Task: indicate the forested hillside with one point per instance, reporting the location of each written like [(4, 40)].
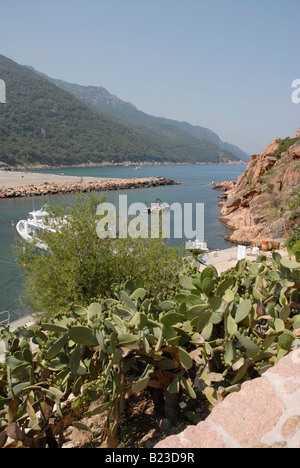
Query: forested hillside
[(99, 99), (41, 124)]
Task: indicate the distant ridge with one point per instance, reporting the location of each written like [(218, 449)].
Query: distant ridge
[(99, 99), (44, 125)]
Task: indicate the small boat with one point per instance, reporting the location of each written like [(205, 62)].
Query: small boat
[(37, 222), (197, 245), (138, 168), (157, 206)]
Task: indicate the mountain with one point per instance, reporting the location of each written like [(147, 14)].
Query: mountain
[(205, 133), (42, 124), (99, 99)]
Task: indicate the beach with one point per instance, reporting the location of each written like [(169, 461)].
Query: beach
[(15, 179)]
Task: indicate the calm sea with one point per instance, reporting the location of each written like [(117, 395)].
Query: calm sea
[(195, 188)]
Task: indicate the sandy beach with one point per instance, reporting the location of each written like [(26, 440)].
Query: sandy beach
[(16, 179)]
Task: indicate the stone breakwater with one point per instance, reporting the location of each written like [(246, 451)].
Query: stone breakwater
[(83, 187)]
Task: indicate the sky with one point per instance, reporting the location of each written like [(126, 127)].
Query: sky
[(227, 65)]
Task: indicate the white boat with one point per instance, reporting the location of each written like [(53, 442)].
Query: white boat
[(37, 222), (157, 206), (197, 245)]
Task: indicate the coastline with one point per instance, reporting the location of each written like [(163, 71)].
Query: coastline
[(36, 167), (15, 184)]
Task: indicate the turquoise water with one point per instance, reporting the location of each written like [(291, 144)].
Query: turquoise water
[(195, 188)]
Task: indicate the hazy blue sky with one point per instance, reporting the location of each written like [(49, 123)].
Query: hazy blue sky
[(223, 64)]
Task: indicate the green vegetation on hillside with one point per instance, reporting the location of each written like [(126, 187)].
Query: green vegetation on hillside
[(43, 124), (100, 100), (285, 144), (293, 240)]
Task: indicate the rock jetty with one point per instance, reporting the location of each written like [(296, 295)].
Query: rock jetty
[(83, 187)]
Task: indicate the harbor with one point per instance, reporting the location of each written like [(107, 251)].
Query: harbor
[(194, 186)]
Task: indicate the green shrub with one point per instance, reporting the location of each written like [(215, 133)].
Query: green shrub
[(293, 206), (296, 247), (79, 267), (285, 144)]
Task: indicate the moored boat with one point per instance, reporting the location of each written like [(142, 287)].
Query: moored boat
[(157, 206), (32, 228)]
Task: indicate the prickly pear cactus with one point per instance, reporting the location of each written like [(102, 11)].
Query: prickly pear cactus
[(207, 337)]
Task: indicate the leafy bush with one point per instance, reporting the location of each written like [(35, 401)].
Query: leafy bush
[(207, 337), (285, 144), (79, 267), (296, 247), (294, 234)]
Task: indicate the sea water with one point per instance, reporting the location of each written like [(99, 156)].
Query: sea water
[(195, 187)]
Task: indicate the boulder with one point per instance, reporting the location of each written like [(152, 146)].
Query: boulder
[(294, 151), (271, 148)]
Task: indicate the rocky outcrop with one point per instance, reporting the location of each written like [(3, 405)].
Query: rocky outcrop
[(225, 186), (294, 151), (73, 187), (297, 134), (254, 208)]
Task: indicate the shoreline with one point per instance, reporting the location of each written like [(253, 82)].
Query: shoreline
[(16, 179), (124, 164), (29, 184)]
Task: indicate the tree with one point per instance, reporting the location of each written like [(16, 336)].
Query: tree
[(79, 267)]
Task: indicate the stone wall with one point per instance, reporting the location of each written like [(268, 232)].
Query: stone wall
[(265, 413)]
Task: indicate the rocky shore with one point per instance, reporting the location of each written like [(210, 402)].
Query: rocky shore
[(255, 208), (83, 186)]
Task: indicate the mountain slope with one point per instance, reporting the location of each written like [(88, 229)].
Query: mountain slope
[(43, 124), (102, 101)]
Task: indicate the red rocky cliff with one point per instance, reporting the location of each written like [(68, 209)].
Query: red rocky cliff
[(255, 207)]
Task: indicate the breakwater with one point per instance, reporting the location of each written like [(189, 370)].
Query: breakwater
[(83, 186)]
